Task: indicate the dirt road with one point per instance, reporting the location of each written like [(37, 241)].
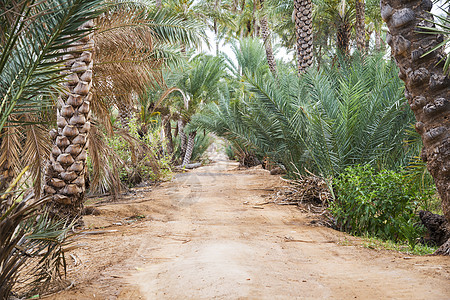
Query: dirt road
[(204, 236)]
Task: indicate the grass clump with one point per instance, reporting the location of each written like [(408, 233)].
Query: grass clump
[(404, 247)]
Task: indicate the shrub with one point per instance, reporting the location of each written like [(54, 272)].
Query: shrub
[(378, 204), (142, 155)]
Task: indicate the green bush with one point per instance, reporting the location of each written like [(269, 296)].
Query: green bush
[(378, 204), (142, 155)]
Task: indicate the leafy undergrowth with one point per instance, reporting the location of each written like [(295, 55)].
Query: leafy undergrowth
[(381, 205)]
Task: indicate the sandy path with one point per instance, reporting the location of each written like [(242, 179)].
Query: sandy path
[(206, 240)]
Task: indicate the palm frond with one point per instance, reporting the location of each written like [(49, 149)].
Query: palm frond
[(29, 62), (36, 151)]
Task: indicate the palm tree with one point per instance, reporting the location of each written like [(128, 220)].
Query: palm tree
[(360, 23), (200, 85), (343, 27), (33, 34), (302, 16), (30, 74), (374, 17), (266, 37), (249, 53), (427, 87), (134, 43), (67, 171), (127, 60)]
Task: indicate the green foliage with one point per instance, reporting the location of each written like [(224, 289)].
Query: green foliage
[(231, 152), (380, 204), (328, 119), (141, 154), (200, 83), (404, 247), (201, 144), (30, 48), (250, 57), (31, 253)]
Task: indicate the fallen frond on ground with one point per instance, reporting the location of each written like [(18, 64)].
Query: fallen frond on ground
[(311, 194)]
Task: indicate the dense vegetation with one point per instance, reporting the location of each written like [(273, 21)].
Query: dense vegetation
[(99, 96)]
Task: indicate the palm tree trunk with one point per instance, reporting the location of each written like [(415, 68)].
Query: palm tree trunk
[(183, 138), (303, 29), (254, 24), (125, 113), (266, 37), (65, 176), (360, 25), (189, 148), (168, 134), (343, 36), (427, 87)]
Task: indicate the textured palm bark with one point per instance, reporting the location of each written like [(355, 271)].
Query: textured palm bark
[(427, 87), (266, 37), (65, 175), (303, 29), (189, 148), (183, 138), (168, 134), (125, 114), (360, 25), (343, 37)]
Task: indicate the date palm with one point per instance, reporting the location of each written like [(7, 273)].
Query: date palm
[(200, 85), (267, 39), (360, 23), (65, 180), (30, 66), (427, 86), (32, 36), (134, 43), (302, 17)]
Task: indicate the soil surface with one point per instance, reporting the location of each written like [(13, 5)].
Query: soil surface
[(208, 234)]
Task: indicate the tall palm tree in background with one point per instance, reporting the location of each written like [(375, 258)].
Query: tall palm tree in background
[(200, 84), (302, 16), (374, 17), (360, 22), (427, 87), (267, 39)]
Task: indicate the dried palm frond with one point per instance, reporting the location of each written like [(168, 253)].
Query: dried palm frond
[(35, 152), (105, 163), (30, 243), (126, 62), (10, 148)]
